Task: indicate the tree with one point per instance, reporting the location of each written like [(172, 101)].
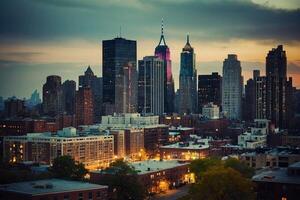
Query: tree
[(239, 166), (66, 167), (202, 165), (123, 184), (220, 183)]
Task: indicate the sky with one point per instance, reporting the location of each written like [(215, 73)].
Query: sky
[(62, 37)]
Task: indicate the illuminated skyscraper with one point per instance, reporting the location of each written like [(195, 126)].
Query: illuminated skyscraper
[(188, 80), (163, 52)]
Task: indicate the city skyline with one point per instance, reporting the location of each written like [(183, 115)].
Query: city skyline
[(30, 48)]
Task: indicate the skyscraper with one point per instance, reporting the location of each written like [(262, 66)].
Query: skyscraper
[(250, 97), (276, 67), (151, 85), (119, 75), (53, 96), (188, 80), (260, 98), (69, 92), (163, 52), (84, 106), (89, 80), (232, 87), (209, 90)]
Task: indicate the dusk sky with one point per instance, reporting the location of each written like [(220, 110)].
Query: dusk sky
[(62, 37)]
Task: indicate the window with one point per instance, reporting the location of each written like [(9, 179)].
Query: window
[(90, 195), (80, 196), (66, 197)]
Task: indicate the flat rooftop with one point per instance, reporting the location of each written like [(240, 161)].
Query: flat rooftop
[(49, 186), (191, 146), (149, 166), (278, 175)]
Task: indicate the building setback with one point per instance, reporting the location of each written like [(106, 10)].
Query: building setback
[(232, 87), (119, 75), (188, 80), (151, 85)]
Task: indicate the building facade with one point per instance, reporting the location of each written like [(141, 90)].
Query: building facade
[(119, 75), (188, 80), (53, 96), (151, 85), (69, 96), (209, 90), (163, 52), (232, 87), (84, 106)]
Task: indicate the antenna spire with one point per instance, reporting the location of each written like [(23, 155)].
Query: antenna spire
[(162, 38), (187, 38)]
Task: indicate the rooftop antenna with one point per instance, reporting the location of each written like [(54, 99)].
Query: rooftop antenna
[(162, 38), (187, 38)]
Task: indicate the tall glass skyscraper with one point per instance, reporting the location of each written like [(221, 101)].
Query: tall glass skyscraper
[(119, 75), (188, 80), (163, 52), (151, 85), (232, 87)]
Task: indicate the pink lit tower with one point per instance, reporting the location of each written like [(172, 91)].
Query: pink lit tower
[(163, 52)]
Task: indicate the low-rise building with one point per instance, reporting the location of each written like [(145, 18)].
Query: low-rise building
[(92, 150), (278, 183), (188, 150), (53, 189), (255, 136), (211, 111), (155, 175)]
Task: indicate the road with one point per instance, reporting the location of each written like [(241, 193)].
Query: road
[(173, 194)]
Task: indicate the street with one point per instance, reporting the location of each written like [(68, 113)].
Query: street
[(173, 194)]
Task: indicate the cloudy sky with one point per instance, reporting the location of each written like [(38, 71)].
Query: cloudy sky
[(62, 37)]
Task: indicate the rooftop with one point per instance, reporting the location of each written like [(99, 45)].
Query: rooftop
[(277, 175), (49, 186), (191, 145), (149, 166)]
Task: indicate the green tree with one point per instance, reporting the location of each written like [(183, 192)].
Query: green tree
[(239, 166), (220, 183), (123, 183), (66, 167), (202, 165)]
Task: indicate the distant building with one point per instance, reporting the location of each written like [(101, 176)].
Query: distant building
[(14, 107), (69, 96), (163, 52), (34, 99), (1, 103), (151, 85), (119, 76), (188, 80), (53, 189), (255, 136), (278, 183), (89, 80), (95, 150), (84, 106), (260, 98), (119, 143), (249, 111), (232, 87), (276, 75), (209, 89), (53, 96), (211, 111)]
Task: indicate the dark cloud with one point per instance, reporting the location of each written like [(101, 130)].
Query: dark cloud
[(95, 20)]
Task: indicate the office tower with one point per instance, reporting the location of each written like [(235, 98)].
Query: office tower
[(119, 75), (249, 111), (69, 96), (187, 80), (232, 87), (14, 107), (151, 85), (163, 52), (84, 106), (53, 96), (290, 103), (209, 90), (276, 67), (260, 98), (89, 80)]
